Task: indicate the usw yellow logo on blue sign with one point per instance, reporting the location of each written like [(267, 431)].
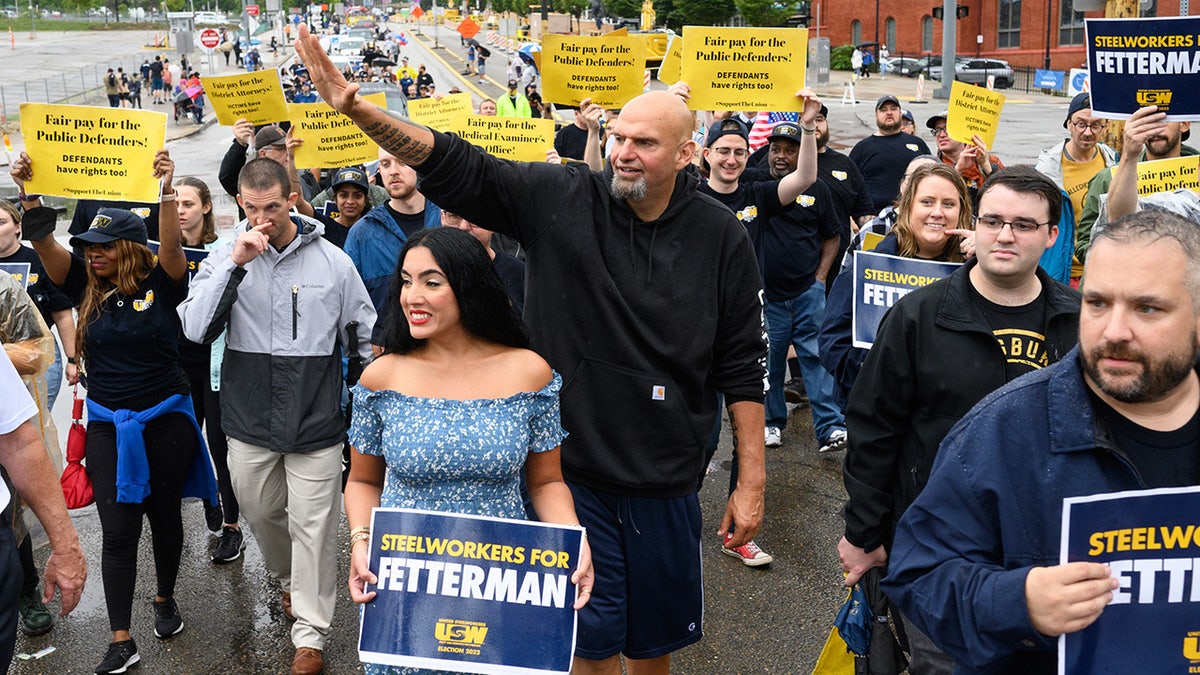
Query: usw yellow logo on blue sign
[(454, 631)]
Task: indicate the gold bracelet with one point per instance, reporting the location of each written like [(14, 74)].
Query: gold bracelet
[(359, 529), (361, 536)]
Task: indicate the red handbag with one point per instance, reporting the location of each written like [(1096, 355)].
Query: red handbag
[(76, 484)]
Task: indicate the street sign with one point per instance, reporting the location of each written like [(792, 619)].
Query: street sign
[(210, 38), (252, 10)]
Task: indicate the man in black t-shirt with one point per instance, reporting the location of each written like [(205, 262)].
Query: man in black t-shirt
[(941, 349), (1122, 412), (882, 157), (851, 202)]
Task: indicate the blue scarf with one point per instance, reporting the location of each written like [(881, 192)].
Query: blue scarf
[(133, 468)]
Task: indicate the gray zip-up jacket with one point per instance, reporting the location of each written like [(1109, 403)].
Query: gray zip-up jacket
[(286, 313)]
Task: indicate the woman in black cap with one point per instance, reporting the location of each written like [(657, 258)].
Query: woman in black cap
[(144, 449)]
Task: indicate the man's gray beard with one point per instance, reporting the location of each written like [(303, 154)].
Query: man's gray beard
[(635, 191)]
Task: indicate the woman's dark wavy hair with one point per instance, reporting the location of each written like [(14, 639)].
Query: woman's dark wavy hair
[(483, 305)]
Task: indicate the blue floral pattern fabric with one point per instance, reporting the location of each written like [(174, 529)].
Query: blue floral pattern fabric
[(454, 456)]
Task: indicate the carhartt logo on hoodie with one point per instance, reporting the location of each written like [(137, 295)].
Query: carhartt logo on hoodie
[(658, 392)]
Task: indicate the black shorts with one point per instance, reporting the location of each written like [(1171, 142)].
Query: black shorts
[(649, 598)]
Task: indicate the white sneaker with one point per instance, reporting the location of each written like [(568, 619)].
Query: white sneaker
[(835, 442), (773, 437), (749, 553)]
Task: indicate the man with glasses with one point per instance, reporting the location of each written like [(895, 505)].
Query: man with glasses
[(971, 160), (1072, 163), (940, 350)]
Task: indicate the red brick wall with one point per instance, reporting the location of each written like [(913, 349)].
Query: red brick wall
[(836, 17)]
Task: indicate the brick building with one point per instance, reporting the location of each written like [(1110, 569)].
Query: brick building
[(1010, 29)]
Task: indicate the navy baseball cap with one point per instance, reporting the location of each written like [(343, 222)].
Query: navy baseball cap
[(1082, 101), (726, 127), (351, 175), (110, 225)]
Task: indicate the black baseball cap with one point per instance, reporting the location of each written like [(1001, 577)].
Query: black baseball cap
[(351, 175), (110, 225), (824, 111), (726, 127), (788, 130), (512, 84), (1082, 101), (887, 98), (932, 121), (268, 136)]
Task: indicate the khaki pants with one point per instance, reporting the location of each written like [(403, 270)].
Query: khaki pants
[(292, 502)]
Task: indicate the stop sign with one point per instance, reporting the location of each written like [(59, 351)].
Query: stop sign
[(210, 38)]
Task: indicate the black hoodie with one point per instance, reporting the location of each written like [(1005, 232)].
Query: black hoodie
[(646, 322)]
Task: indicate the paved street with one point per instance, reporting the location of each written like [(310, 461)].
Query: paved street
[(771, 620)]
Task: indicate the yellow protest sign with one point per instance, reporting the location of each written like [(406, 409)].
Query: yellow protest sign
[(669, 71), (620, 32), (87, 152), (256, 96), (744, 68), (606, 69), (1167, 175), (517, 138), (871, 240), (331, 140), (973, 110), (439, 113)]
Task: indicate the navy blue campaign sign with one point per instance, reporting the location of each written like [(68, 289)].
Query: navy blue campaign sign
[(194, 257), (19, 271), (879, 281), (470, 593), (1151, 541), (1140, 62)]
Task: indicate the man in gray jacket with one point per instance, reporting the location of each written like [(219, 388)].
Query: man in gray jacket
[(287, 297)]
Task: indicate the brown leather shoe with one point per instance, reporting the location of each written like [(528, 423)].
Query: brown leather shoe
[(308, 661), (287, 606)]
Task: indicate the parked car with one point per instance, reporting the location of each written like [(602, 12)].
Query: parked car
[(977, 70), (903, 65), (926, 65)]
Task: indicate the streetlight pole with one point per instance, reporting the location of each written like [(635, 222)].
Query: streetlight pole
[(1049, 16)]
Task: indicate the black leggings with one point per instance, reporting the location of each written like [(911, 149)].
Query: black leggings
[(208, 412), (171, 444)]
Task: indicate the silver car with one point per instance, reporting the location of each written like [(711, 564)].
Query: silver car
[(977, 70)]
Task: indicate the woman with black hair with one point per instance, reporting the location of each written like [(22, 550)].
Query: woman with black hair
[(472, 405)]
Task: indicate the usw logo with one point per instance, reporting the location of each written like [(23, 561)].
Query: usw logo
[(458, 632)]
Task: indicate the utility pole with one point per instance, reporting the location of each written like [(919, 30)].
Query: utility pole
[(1119, 9), (949, 46)]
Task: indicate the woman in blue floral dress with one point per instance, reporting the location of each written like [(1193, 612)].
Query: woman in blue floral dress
[(456, 407)]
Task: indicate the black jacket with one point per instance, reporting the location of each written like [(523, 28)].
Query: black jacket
[(934, 358), (646, 321)]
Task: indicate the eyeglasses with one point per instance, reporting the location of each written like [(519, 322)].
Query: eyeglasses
[(737, 152), (1096, 127), (937, 131), (1018, 226)]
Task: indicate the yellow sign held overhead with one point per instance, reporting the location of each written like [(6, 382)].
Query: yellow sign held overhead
[(86, 152), (439, 113), (257, 97), (331, 140), (606, 69), (744, 68), (669, 71), (973, 110), (516, 138)]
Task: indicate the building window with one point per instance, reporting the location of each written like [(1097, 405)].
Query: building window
[(1070, 29), (890, 40), (1008, 30), (927, 34), (855, 32)]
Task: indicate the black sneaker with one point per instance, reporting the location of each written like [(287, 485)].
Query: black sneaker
[(229, 546), (167, 621), (793, 391), (119, 657), (214, 518), (35, 618)]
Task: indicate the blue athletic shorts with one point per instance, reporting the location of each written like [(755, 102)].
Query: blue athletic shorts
[(649, 598)]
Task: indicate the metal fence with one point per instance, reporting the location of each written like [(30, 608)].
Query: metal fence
[(79, 86)]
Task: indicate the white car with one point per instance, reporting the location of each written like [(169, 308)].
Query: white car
[(210, 18)]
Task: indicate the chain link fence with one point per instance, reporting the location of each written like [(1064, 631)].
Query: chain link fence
[(77, 86)]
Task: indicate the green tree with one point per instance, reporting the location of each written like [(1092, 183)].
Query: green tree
[(700, 13), (765, 12), (627, 9)]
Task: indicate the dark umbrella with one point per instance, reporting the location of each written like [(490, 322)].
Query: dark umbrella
[(866, 44), (473, 41), (384, 62), (884, 657)]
